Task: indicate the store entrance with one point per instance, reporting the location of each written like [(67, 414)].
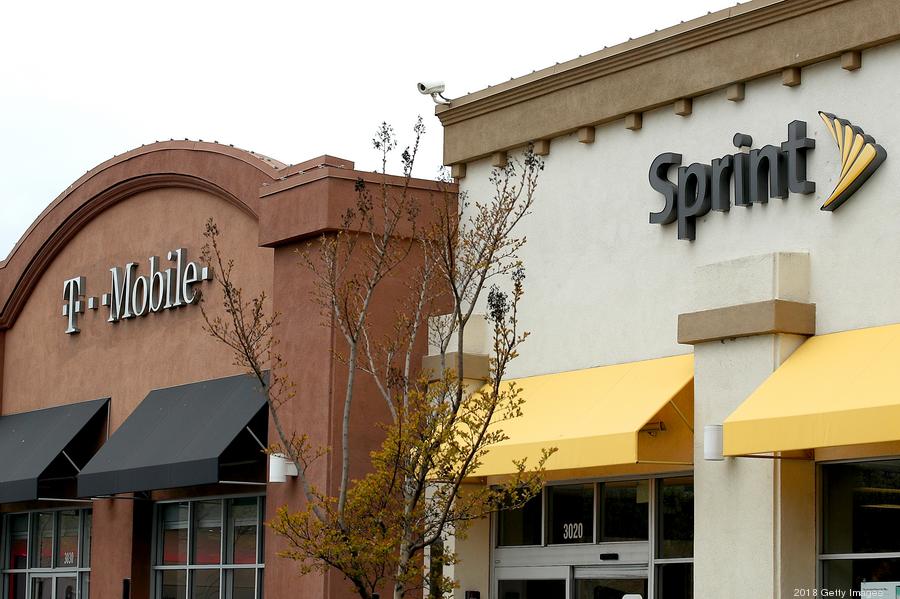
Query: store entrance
[(586, 585), (607, 539)]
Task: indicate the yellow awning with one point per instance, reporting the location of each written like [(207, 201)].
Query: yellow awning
[(594, 416), (836, 389)]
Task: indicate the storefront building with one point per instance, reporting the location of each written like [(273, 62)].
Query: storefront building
[(713, 266), (712, 280), (131, 461)]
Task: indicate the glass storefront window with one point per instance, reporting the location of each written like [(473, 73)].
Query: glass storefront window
[(624, 511), (42, 587), (174, 533), (675, 581), (173, 584), (205, 584), (207, 532), (532, 589), (242, 528), (861, 507), (86, 540), (67, 543), (16, 585), (18, 542), (224, 558), (241, 583), (521, 526), (570, 514), (43, 541), (859, 575), (609, 588), (860, 520), (47, 555), (65, 587), (676, 517)]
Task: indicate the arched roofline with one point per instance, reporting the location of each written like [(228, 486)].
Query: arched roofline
[(232, 174)]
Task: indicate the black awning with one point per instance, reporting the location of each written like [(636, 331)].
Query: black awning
[(32, 445), (177, 437)]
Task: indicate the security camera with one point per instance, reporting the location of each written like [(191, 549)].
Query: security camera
[(435, 89), (431, 87)]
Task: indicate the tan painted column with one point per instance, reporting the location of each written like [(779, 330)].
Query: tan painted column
[(754, 531), (473, 571)]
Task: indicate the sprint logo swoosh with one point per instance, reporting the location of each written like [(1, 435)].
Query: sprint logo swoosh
[(860, 157)]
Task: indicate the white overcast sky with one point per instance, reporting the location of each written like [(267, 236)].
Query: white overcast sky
[(82, 81)]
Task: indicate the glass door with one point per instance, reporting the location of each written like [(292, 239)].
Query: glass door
[(533, 589), (609, 588), (42, 587), (54, 587), (532, 582), (610, 582)]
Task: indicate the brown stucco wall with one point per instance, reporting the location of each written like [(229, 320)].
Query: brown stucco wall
[(145, 203), (43, 366), (309, 343)]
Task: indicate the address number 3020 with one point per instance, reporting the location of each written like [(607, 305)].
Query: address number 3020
[(573, 531)]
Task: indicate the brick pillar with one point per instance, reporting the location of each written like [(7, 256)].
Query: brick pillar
[(111, 548), (293, 213), (2, 365)]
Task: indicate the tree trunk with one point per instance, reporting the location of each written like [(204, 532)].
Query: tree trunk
[(401, 570)]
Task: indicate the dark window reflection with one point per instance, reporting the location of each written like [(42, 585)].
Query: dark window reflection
[(676, 517), (624, 510), (16, 586), (174, 533), (520, 526), (67, 551), (242, 520), (65, 587), (675, 581), (43, 541), (532, 589), (18, 542), (862, 575), (861, 507), (86, 540), (207, 532), (205, 584), (609, 588), (173, 583), (42, 588), (243, 584), (571, 514)]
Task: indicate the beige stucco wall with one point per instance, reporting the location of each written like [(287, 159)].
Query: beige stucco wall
[(604, 286)]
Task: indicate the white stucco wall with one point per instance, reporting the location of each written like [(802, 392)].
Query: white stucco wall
[(604, 286)]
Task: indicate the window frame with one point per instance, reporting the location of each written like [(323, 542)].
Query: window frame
[(224, 569), (79, 571)]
